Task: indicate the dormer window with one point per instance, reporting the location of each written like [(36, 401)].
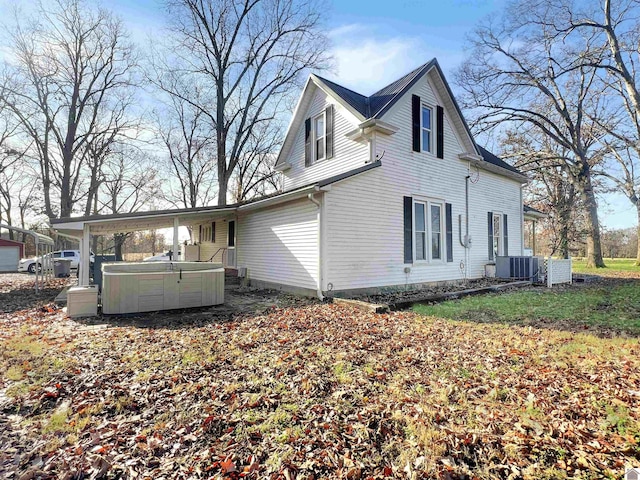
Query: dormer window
[(319, 137), (425, 128)]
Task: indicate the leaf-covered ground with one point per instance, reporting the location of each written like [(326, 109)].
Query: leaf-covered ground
[(312, 391)]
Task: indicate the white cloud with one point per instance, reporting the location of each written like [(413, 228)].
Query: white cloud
[(366, 61)]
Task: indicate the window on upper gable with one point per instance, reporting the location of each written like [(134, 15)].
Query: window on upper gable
[(319, 138), (425, 128)]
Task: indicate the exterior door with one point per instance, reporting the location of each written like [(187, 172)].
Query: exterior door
[(231, 245)]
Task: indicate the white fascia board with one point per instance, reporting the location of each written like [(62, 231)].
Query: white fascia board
[(296, 111), (534, 215), (295, 194), (470, 157), (371, 126), (282, 167), (490, 167)]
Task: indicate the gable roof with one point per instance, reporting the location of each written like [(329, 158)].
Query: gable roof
[(378, 104)]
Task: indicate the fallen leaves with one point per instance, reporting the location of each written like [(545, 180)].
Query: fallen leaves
[(314, 391)]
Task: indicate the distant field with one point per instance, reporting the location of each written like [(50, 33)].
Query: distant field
[(613, 265)]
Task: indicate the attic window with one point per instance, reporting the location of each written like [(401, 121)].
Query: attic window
[(319, 137), (425, 128)]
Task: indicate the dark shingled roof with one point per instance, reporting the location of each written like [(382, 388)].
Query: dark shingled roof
[(359, 102), (384, 98), (376, 105), (497, 161), (528, 209)]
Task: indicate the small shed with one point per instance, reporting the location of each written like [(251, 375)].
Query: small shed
[(10, 254)]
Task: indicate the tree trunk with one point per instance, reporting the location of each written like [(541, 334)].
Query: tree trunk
[(223, 185), (638, 234), (118, 240), (594, 247)]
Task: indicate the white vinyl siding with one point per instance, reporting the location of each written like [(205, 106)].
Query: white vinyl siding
[(367, 210), (207, 247), (280, 244), (347, 154)]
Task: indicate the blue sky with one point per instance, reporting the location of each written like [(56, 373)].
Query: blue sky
[(375, 42)]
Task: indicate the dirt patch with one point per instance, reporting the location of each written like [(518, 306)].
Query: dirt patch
[(417, 295)]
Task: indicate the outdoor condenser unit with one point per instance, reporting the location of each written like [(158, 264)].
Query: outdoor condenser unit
[(520, 268)]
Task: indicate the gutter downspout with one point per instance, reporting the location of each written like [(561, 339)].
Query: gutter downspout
[(318, 205)]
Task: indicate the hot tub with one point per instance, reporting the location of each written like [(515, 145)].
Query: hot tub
[(152, 286)]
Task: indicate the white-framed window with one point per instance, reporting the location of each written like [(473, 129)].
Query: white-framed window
[(428, 228), (319, 137), (426, 120), (498, 246)]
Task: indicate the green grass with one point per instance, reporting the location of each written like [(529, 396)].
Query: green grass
[(616, 307), (613, 265)]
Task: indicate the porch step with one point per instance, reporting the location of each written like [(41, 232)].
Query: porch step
[(231, 276)]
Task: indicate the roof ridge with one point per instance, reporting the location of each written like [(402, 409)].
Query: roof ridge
[(413, 75), (406, 75), (341, 86)]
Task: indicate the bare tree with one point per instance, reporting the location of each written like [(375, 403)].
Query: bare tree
[(519, 74), (245, 57), (190, 151), (130, 184), (617, 53), (69, 84), (254, 175), (550, 190)]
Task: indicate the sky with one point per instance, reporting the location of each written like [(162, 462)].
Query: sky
[(376, 42)]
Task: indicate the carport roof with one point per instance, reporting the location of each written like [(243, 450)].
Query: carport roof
[(135, 221)]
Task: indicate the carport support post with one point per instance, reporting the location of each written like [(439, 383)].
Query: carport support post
[(176, 246), (85, 255)]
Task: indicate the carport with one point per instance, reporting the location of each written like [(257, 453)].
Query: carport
[(44, 245), (83, 227)]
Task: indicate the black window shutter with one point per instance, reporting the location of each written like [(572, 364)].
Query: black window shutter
[(449, 222), (490, 225), (213, 232), (415, 122), (232, 234), (440, 132), (307, 142), (408, 230), (505, 249), (200, 234), (329, 134)]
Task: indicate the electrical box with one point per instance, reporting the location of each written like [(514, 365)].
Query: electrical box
[(82, 301)]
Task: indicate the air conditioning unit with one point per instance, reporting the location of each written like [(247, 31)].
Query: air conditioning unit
[(520, 268)]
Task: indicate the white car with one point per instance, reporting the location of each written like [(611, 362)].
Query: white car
[(29, 264), (162, 257)]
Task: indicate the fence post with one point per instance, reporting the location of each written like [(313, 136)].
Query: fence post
[(549, 272), (570, 270)]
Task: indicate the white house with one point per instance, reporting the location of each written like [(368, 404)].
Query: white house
[(382, 191)]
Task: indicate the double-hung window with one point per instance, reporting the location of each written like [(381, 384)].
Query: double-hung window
[(428, 230), (497, 235), (319, 137), (425, 128)]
